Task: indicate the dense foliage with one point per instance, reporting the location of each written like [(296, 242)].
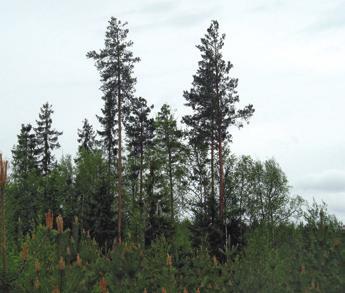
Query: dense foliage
[(149, 204)]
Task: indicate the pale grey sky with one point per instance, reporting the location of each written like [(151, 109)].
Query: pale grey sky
[(289, 57)]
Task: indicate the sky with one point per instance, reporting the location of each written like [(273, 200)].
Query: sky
[(289, 57)]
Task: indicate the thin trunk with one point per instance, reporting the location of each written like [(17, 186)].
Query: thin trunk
[(203, 184), (221, 173), (134, 189), (141, 200), (141, 180), (261, 203), (110, 161), (119, 183), (141, 169), (109, 157), (213, 195), (171, 188), (119, 162), (241, 201), (221, 178), (220, 145), (212, 199), (148, 233), (81, 214)]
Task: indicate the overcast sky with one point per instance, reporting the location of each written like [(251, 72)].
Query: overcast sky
[(289, 57)]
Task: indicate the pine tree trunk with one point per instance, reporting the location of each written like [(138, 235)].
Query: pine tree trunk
[(213, 195), (221, 178), (141, 181), (141, 200), (212, 199), (220, 145), (171, 188), (119, 164)]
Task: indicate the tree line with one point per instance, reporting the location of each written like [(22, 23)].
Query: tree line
[(138, 176), (150, 203)]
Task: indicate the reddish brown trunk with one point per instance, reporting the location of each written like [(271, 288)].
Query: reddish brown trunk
[(119, 182), (212, 168), (119, 163), (171, 188), (221, 178), (141, 180), (220, 149), (212, 199)]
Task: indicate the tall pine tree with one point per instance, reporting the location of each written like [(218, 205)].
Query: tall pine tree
[(116, 64), (213, 99)]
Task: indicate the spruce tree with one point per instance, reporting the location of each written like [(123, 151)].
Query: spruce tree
[(139, 130), (86, 137), (25, 189), (24, 153), (213, 99), (108, 133), (47, 139), (201, 202), (166, 181), (158, 221), (116, 64), (94, 205), (172, 152)]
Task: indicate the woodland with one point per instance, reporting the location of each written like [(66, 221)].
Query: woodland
[(153, 204)]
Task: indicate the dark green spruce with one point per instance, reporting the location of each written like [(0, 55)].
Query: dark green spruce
[(24, 153), (86, 137), (47, 140), (139, 134)]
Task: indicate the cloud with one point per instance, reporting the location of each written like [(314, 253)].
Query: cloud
[(188, 19), (332, 181), (264, 6), (154, 8), (171, 15), (330, 20)]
